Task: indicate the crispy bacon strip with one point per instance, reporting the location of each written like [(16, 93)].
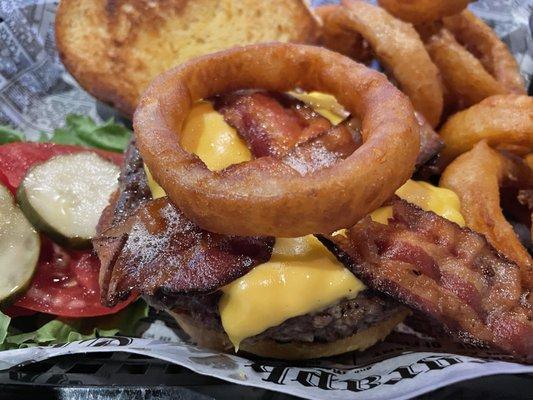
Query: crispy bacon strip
[(270, 123), (322, 151), (159, 249), (446, 272), (430, 142), (281, 126)]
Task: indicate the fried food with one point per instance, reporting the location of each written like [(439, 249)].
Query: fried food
[(529, 160), (476, 177), (430, 141), (399, 48), (505, 122), (266, 196), (449, 273), (422, 11), (480, 40), (336, 38), (474, 62), (465, 78)]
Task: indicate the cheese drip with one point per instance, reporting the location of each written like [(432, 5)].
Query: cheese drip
[(441, 201), (302, 276)]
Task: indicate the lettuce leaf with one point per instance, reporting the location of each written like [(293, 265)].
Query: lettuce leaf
[(8, 135), (63, 330), (81, 130)]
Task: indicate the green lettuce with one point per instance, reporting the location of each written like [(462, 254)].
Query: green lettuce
[(81, 130), (63, 330), (8, 135)]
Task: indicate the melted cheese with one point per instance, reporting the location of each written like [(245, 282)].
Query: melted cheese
[(324, 104), (302, 276), (441, 201), (206, 134)]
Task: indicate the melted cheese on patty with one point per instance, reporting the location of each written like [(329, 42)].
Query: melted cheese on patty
[(302, 276)]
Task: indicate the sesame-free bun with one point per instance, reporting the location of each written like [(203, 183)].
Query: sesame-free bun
[(114, 48), (294, 350)]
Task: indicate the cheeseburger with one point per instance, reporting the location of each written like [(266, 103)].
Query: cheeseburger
[(279, 297)]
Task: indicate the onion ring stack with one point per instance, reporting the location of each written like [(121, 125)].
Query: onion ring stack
[(478, 38), (476, 177), (473, 61), (399, 48), (265, 196)]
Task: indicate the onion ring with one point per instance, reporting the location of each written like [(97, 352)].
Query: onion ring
[(462, 73), (505, 122), (399, 48), (422, 11), (265, 196), (334, 37), (480, 40), (529, 160), (476, 177)]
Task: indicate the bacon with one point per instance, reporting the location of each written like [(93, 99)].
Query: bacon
[(157, 249), (326, 149), (133, 190), (430, 142), (448, 273), (278, 125), (271, 124)]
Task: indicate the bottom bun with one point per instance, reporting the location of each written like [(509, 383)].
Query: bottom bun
[(361, 340)]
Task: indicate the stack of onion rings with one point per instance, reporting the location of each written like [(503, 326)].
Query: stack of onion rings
[(423, 11), (479, 39), (473, 61), (399, 48), (505, 122), (265, 196), (476, 177), (463, 74)]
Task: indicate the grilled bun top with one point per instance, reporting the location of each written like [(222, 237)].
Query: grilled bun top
[(114, 48)]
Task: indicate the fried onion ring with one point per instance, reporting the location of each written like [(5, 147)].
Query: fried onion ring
[(529, 160), (476, 177), (334, 37), (505, 122), (464, 76), (399, 48), (422, 11), (265, 196), (480, 40)]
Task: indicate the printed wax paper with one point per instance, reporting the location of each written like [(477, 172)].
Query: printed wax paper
[(36, 94)]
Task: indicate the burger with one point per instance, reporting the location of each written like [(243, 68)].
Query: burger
[(288, 298)]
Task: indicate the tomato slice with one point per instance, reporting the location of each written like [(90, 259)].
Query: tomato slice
[(66, 281), (66, 284), (14, 311)]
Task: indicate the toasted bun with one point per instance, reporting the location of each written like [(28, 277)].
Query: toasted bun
[(291, 351), (114, 48)]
